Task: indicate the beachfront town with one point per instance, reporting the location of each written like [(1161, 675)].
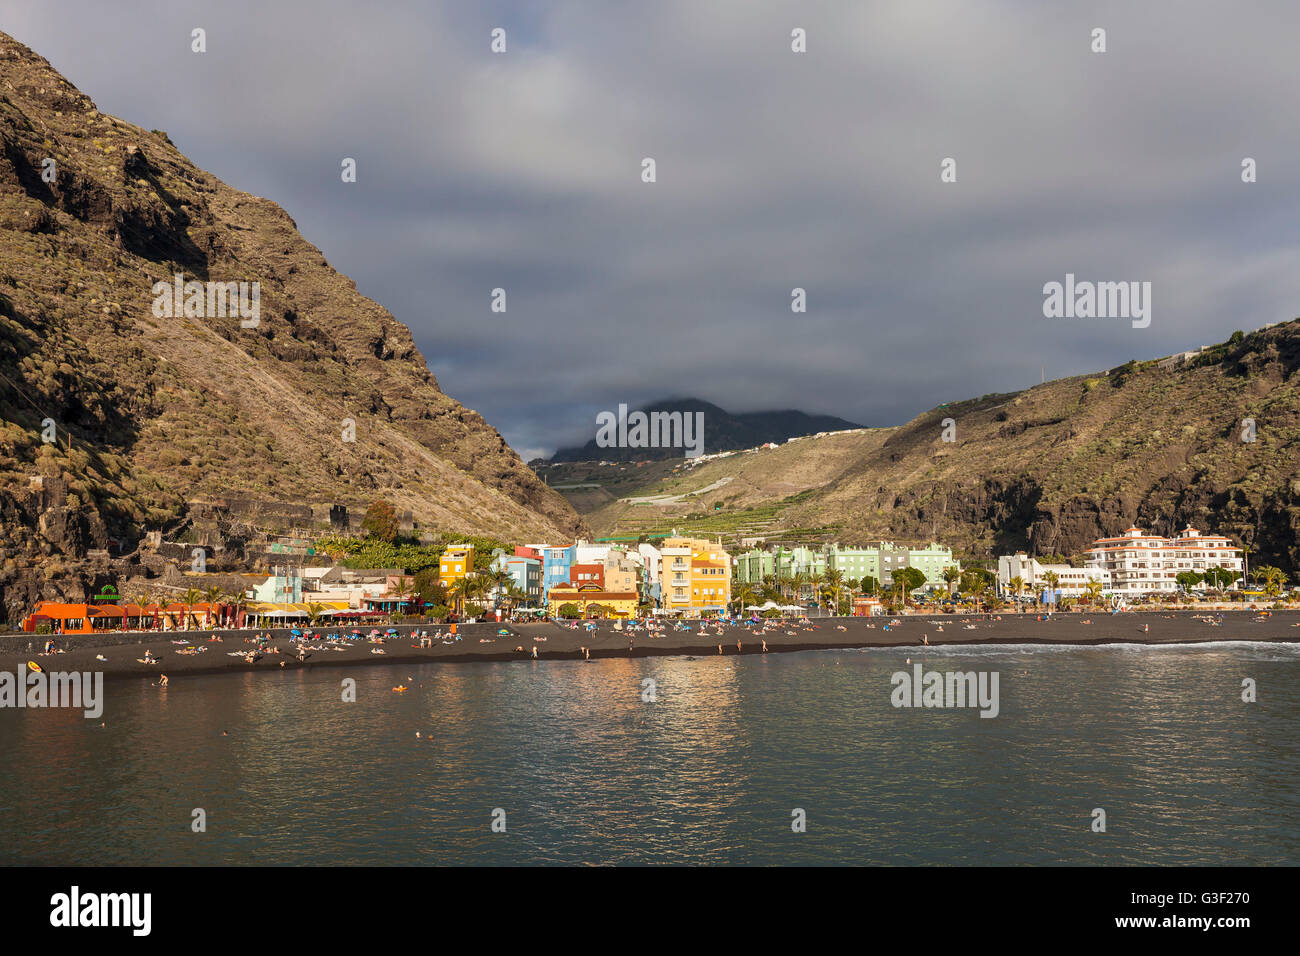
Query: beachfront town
[(671, 576)]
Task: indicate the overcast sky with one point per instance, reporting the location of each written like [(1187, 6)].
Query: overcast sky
[(819, 170)]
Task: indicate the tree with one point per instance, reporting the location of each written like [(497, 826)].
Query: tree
[(833, 580), (570, 611), (380, 522), (907, 580), (215, 595), (1052, 579), (192, 597), (1094, 589), (236, 602), (402, 591), (461, 591), (497, 580), (314, 613), (428, 589), (1273, 579), (1188, 579), (976, 580), (1016, 586), (869, 585), (744, 596), (951, 574)]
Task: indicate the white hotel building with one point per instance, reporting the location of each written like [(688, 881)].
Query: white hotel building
[(1139, 563), (1071, 581)]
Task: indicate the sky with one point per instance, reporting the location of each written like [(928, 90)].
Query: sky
[(775, 170)]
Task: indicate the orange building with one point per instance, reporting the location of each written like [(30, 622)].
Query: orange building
[(695, 576)]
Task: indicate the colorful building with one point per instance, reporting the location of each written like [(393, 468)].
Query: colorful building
[(881, 559), (622, 604), (525, 572), (456, 562), (556, 562), (696, 577)]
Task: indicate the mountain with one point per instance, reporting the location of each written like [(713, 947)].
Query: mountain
[(151, 413), (1048, 469), (723, 431)]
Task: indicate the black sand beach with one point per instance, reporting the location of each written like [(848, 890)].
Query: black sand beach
[(122, 652)]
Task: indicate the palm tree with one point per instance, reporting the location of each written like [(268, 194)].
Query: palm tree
[(499, 579), (951, 574), (798, 581), (141, 600), (743, 595), (1273, 577), (514, 595), (314, 613), (192, 597), (236, 602), (402, 592), (815, 581), (1016, 586), (1094, 589), (1246, 552), (834, 578), (1051, 578), (215, 595)]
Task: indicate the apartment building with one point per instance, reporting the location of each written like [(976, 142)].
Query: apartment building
[(695, 576), (1140, 564)]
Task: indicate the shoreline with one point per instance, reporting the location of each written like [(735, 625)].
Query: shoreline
[(555, 642)]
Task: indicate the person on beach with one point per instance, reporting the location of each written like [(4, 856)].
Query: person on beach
[(162, 680), (765, 647), (534, 652)]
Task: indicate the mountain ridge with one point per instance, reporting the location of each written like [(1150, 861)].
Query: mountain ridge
[(723, 431), (164, 411), (1047, 469)]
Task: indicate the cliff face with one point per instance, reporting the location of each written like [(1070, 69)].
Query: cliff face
[(1056, 466), (1049, 469), (326, 399)]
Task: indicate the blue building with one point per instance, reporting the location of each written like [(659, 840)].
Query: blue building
[(525, 571), (556, 563)]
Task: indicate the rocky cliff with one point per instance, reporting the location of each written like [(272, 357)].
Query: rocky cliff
[(323, 399)]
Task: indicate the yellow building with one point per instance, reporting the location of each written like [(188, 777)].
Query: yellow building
[(695, 576), (456, 562), (617, 603)]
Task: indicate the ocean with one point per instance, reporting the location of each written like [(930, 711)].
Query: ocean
[(798, 758)]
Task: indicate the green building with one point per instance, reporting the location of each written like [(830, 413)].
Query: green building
[(756, 564), (881, 559)]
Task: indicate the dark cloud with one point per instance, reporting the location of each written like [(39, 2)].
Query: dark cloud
[(776, 170)]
